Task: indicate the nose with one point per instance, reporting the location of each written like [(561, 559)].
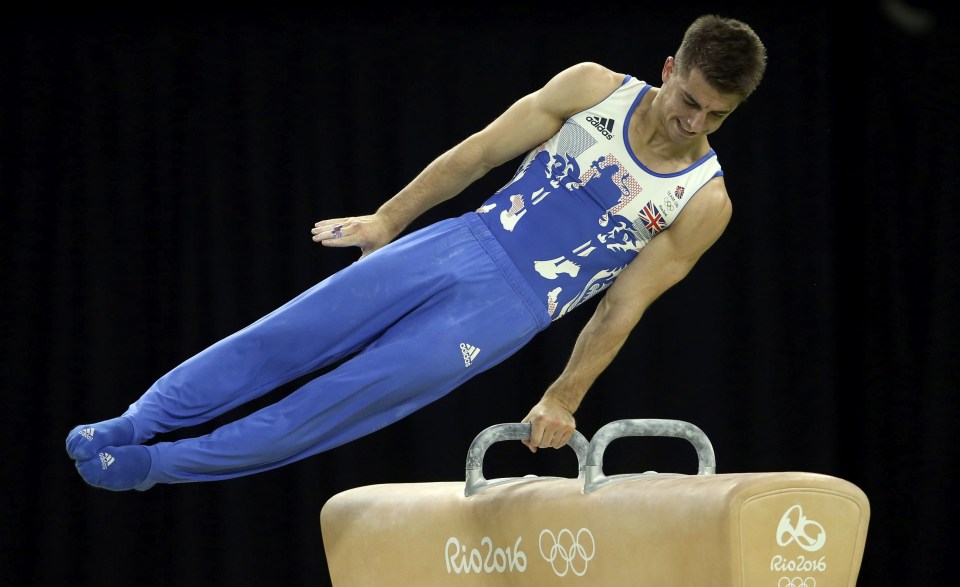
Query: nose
[(696, 121)]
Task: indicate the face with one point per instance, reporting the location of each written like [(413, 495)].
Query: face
[(690, 106)]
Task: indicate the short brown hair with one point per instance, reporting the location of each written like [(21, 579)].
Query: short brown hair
[(727, 52)]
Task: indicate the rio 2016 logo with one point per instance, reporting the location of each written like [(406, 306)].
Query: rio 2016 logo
[(796, 528), (460, 559), (566, 551), (807, 534)]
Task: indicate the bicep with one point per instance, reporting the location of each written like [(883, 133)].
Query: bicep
[(670, 256)]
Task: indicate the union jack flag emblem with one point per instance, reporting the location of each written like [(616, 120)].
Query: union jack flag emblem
[(652, 219)]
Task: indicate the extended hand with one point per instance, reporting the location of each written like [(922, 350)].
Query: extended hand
[(551, 425), (367, 232)]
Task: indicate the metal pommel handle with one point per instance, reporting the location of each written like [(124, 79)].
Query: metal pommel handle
[(594, 477), (498, 432)]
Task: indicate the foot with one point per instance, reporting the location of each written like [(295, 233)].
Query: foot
[(84, 442), (118, 468)]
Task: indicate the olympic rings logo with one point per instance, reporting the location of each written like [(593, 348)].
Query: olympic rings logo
[(797, 582), (668, 204), (567, 552), (799, 532)]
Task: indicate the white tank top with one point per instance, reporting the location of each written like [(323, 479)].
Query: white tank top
[(581, 205)]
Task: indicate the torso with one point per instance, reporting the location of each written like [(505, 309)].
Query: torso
[(583, 204)]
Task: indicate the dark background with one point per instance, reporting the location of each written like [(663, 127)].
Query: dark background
[(161, 171)]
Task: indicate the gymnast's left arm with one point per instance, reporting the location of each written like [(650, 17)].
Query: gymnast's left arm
[(662, 263), (528, 122)]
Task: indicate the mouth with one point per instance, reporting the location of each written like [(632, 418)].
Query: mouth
[(685, 132)]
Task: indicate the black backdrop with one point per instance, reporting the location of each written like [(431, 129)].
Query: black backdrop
[(160, 174)]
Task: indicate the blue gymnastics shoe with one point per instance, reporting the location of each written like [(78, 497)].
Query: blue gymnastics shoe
[(118, 468), (84, 442)]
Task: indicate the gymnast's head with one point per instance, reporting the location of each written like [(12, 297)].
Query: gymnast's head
[(727, 52)]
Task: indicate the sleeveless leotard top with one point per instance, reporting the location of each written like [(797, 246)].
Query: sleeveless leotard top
[(581, 205)]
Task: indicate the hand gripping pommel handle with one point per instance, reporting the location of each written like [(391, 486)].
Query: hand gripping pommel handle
[(594, 476), (499, 432)]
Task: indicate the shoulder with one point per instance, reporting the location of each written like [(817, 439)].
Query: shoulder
[(589, 72), (714, 193), (582, 85), (709, 207), (591, 78)]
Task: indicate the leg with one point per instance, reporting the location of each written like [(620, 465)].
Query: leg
[(473, 323), (302, 335), (330, 321)]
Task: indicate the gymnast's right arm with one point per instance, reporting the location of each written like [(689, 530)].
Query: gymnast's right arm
[(530, 121)]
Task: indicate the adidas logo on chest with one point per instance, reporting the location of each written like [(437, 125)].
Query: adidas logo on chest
[(604, 125)]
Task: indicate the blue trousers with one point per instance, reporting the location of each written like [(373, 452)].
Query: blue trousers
[(411, 322)]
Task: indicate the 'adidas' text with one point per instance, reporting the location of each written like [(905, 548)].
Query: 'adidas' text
[(470, 353), (604, 125), (106, 459)]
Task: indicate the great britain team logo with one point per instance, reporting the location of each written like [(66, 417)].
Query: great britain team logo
[(652, 218)]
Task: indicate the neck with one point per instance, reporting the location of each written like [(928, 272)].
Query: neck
[(653, 143)]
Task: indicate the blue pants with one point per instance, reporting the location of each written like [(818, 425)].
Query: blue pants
[(412, 321)]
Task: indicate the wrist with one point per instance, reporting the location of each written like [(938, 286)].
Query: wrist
[(389, 220), (566, 398)]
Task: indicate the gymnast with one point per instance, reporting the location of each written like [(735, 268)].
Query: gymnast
[(619, 193)]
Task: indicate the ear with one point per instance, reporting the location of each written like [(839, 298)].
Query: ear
[(667, 69)]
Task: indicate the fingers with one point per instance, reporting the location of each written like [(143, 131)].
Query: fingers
[(332, 230), (551, 425), (554, 439), (547, 436)]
